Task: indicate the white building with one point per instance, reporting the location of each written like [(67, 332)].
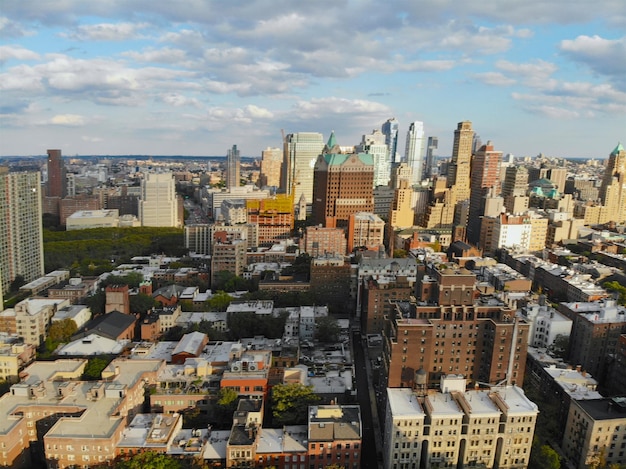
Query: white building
[(458, 427), (80, 314), (159, 204), (546, 324), (414, 150), (234, 211), (374, 144), (86, 219)]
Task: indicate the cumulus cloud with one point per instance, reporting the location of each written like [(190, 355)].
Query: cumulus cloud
[(70, 120), (17, 52), (106, 32), (605, 57)]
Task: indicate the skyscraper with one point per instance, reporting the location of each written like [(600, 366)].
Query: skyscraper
[(374, 144), (159, 203), (343, 186), (21, 231), (57, 186), (459, 169), (414, 150), (514, 189), (485, 178), (613, 188), (271, 163), (390, 129), (233, 163), (299, 155), (431, 154)]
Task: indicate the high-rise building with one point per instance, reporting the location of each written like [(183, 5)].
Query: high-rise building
[(299, 155), (401, 214), (514, 189), (57, 185), (159, 204), (233, 163), (613, 188), (343, 185), (414, 150), (390, 129), (485, 178), (271, 163), (558, 176), (21, 230), (431, 155), (374, 144), (365, 231), (460, 166), (320, 241), (274, 218)]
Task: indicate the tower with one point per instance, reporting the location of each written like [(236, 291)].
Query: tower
[(485, 178), (613, 188), (159, 203), (431, 154), (414, 150), (299, 155), (459, 169), (374, 144), (271, 163), (390, 130), (514, 189), (233, 163), (343, 185), (21, 232), (57, 186)]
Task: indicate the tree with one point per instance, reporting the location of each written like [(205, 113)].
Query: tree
[(94, 367), (399, 253), (17, 283), (141, 303), (560, 346), (326, 329), (62, 331), (290, 403), (150, 460), (617, 288), (226, 404), (219, 301), (544, 457), (96, 302)]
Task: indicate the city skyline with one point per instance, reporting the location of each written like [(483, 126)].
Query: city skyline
[(193, 78)]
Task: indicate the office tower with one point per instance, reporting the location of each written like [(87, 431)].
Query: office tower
[(514, 189), (57, 185), (558, 177), (299, 155), (485, 178), (21, 231), (613, 188), (374, 144), (414, 150), (271, 163), (390, 130), (159, 204), (233, 163), (459, 169), (401, 214), (431, 155), (343, 185), (534, 174)]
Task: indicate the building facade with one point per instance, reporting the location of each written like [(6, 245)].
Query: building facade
[(159, 204)]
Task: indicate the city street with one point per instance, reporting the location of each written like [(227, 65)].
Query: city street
[(369, 458)]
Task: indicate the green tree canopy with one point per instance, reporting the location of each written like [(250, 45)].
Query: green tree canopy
[(544, 457), (62, 331), (617, 288), (141, 303), (219, 301), (150, 460), (94, 367), (290, 403), (327, 329)]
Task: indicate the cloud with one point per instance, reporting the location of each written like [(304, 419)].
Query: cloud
[(606, 57), (179, 100), (70, 120), (87, 138), (12, 29), (106, 32), (17, 53), (494, 78)]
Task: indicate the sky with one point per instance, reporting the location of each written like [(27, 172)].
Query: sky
[(194, 77)]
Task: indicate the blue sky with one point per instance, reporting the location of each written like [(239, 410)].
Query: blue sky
[(194, 77)]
